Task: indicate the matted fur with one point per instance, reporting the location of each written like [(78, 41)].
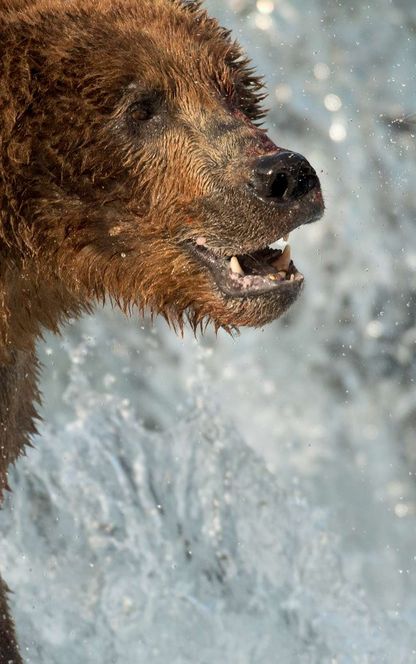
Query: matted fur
[(99, 194)]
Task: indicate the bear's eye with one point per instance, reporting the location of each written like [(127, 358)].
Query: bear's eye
[(145, 108)]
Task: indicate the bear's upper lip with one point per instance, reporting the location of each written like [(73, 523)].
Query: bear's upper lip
[(240, 275)]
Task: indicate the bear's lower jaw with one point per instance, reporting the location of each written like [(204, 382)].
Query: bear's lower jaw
[(248, 290), (254, 310), (258, 274)]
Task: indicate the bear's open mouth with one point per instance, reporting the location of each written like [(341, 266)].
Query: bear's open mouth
[(262, 271)]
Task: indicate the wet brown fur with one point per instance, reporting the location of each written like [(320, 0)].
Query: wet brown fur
[(96, 205)]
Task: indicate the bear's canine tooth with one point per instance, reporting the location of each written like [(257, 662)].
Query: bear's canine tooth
[(236, 267), (286, 237), (282, 263)]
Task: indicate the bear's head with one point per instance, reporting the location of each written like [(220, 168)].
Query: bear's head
[(133, 165)]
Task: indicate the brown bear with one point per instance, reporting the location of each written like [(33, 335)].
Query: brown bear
[(133, 167)]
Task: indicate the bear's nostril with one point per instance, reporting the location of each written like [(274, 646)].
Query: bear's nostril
[(280, 186), (306, 180)]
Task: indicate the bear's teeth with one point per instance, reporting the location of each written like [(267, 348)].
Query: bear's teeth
[(286, 237), (236, 267), (282, 263)]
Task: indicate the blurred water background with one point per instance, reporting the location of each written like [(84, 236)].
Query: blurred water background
[(249, 500)]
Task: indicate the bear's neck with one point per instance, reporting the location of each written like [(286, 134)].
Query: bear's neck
[(27, 306), (18, 394)]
